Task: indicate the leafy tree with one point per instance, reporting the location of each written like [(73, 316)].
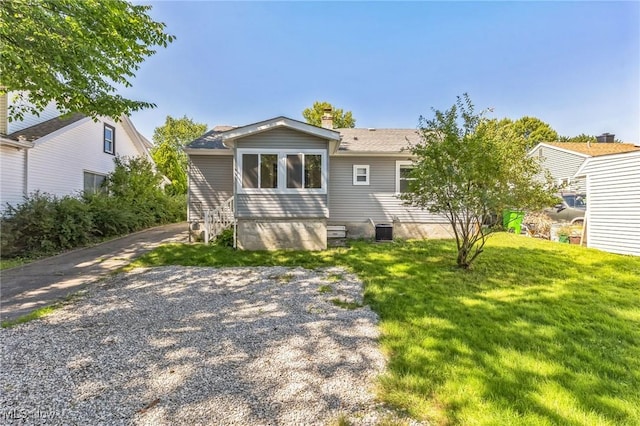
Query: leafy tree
[(534, 131), (580, 138), (467, 170), (341, 119), (74, 53), (168, 155), (531, 129)]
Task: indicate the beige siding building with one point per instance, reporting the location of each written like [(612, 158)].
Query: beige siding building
[(286, 184)]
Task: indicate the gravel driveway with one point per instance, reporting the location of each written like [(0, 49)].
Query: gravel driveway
[(177, 345)]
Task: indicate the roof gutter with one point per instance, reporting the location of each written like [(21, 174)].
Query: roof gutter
[(15, 143), (207, 151), (374, 154)]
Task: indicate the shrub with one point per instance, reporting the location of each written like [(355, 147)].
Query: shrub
[(110, 217), (31, 225), (225, 239), (73, 223), (132, 200)]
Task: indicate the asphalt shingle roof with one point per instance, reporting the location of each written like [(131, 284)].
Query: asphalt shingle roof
[(46, 127), (210, 140), (353, 140), (596, 149), (377, 140)]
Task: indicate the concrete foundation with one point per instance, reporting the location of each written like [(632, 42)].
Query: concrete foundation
[(284, 234), (401, 230)]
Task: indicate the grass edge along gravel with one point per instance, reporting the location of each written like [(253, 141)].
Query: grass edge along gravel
[(43, 311), (537, 333)]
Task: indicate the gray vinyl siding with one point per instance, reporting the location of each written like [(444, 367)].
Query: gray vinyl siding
[(282, 205), (378, 201), (561, 165), (613, 203), (210, 182), (282, 138), (278, 206)]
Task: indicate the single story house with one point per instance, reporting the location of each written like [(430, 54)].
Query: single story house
[(563, 159), (61, 155), (286, 184), (613, 207)]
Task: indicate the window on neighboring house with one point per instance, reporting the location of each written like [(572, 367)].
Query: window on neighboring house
[(360, 175), (109, 139), (403, 175), (281, 171), (93, 182)]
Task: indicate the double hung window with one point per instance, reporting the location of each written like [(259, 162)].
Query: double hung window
[(360, 174), (109, 141), (403, 176)]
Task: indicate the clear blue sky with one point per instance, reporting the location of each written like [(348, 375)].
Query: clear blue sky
[(575, 65)]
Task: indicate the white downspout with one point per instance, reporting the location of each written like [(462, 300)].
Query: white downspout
[(25, 178)]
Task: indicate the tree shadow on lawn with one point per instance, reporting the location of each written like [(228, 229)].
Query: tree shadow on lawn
[(532, 335)]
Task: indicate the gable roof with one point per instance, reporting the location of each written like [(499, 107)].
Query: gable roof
[(46, 127), (594, 149), (352, 141), (229, 137), (377, 140), (584, 168)]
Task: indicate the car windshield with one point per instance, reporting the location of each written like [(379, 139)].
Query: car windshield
[(578, 201)]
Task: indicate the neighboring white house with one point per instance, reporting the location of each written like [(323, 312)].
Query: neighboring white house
[(563, 159), (61, 155), (613, 202)]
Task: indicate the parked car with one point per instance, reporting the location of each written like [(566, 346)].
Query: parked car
[(571, 208)]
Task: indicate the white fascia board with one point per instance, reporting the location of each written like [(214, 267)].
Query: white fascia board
[(582, 171), (15, 144), (557, 148), (229, 137), (205, 151), (373, 154), (138, 139)]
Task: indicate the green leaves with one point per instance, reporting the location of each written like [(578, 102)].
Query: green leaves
[(167, 153), (469, 168), (75, 53), (341, 119)]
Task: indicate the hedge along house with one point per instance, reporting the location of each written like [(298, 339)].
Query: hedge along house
[(285, 184), (60, 154)]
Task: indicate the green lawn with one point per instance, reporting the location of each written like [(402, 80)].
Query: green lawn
[(537, 333)]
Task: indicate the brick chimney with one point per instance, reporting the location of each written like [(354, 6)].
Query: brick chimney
[(327, 119), (606, 138), (4, 126)]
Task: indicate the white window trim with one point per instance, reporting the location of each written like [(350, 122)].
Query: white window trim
[(93, 173), (282, 171), (112, 140), (355, 174), (400, 163)]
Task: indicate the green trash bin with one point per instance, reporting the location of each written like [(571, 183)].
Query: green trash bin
[(512, 220)]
